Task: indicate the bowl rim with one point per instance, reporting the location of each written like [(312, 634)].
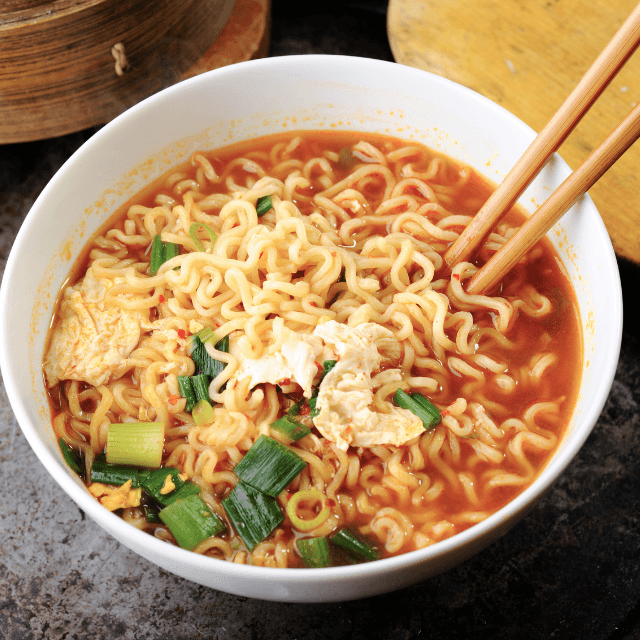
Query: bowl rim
[(113, 523)]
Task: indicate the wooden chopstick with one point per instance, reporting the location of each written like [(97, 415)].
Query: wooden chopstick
[(595, 80), (577, 184)]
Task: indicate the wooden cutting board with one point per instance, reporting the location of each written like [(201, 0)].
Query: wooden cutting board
[(527, 55)]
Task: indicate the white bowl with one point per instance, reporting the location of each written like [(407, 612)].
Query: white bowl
[(253, 99)]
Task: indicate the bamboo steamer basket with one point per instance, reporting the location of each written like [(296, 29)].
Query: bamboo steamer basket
[(66, 65)]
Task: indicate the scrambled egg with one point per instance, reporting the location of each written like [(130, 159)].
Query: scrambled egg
[(345, 395), (93, 339), (113, 498), (294, 361)]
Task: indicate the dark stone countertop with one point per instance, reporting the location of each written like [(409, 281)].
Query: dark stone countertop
[(571, 569)]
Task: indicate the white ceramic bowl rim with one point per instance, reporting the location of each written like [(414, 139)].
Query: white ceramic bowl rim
[(58, 470)]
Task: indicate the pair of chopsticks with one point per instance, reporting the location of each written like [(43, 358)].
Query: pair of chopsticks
[(593, 83)]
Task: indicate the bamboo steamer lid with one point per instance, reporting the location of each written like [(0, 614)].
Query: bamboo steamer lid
[(66, 65)]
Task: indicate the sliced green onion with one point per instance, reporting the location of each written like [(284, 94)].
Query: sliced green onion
[(191, 521), (418, 405), (308, 495), (223, 344), (171, 250), (263, 205), (135, 443), (157, 255), (295, 408), (193, 232), (203, 361), (71, 457), (314, 552), (166, 486), (201, 358), (253, 514), (200, 386), (160, 253), (186, 390), (115, 474), (348, 540), (203, 413), (151, 513), (428, 406), (290, 428), (187, 489), (312, 405), (269, 466), (206, 335), (327, 365)]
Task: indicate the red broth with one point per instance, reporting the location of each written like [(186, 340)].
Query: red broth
[(504, 372)]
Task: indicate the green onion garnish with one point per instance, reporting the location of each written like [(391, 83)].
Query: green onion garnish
[(138, 444), (428, 406), (290, 428), (191, 521), (171, 250), (253, 514), (200, 386), (346, 539), (314, 552), (269, 466), (223, 344), (206, 335), (187, 489), (115, 474), (166, 486), (193, 231), (327, 365), (263, 205), (186, 390), (203, 361), (420, 406), (71, 457), (310, 496), (160, 253), (203, 413), (157, 255), (295, 408), (151, 513)]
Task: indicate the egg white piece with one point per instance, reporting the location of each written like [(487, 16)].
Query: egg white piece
[(295, 360), (345, 395), (94, 338)]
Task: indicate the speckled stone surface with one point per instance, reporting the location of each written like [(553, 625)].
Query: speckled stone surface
[(571, 569)]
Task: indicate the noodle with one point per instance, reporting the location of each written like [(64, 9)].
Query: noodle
[(354, 238)]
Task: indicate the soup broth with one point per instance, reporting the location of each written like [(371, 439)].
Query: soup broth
[(309, 265)]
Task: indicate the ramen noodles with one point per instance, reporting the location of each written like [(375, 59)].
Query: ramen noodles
[(266, 346)]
